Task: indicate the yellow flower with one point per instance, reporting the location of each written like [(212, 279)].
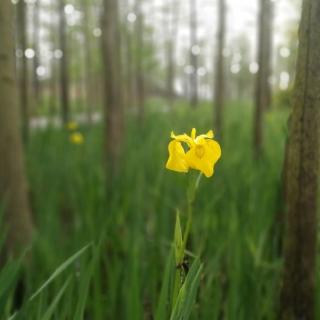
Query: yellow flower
[(72, 125), (202, 154), (76, 138)]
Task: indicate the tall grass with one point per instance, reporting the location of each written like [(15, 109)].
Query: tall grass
[(125, 269)]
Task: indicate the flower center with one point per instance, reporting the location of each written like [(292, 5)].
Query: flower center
[(199, 151)]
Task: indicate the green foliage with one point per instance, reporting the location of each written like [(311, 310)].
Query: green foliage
[(128, 271)]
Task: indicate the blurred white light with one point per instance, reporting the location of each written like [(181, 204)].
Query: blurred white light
[(235, 68), (69, 9), (14, 1), (19, 53), (195, 50), (30, 1), (284, 80), (58, 54), (189, 69), (97, 32), (226, 52), (201, 71), (41, 71), (284, 52), (29, 53), (131, 17), (253, 67)]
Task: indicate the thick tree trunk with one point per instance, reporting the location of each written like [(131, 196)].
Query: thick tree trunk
[(64, 65), (219, 85), (23, 74), (193, 54), (13, 188), (113, 105), (263, 88), (302, 174)]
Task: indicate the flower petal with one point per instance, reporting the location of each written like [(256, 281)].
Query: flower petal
[(193, 133), (201, 137), (205, 158), (177, 157), (182, 138)]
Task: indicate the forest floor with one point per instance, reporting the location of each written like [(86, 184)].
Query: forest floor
[(121, 273)]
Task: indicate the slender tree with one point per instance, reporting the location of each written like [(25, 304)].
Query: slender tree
[(193, 54), (89, 88), (13, 188), (53, 62), (139, 33), (172, 28), (36, 42), (23, 67), (263, 89), (64, 65), (302, 174), (219, 84), (113, 105)]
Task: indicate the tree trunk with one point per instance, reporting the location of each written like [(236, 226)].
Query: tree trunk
[(36, 41), (219, 85), (23, 74), (13, 188), (64, 74), (171, 48), (139, 60), (53, 64), (193, 54), (302, 173), (263, 89), (113, 104), (89, 88)]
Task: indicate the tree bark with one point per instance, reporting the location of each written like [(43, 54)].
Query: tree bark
[(64, 65), (23, 74), (297, 299), (219, 86), (263, 88), (113, 104), (13, 188)]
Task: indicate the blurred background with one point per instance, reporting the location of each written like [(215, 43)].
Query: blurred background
[(101, 84)]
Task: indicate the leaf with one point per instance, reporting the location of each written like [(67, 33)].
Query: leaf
[(84, 288), (52, 307), (187, 293), (178, 241), (59, 270), (162, 312)]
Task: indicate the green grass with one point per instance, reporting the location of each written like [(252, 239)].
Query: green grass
[(127, 262)]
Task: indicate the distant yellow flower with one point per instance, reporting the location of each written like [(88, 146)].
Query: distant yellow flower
[(202, 154), (72, 125), (76, 138)]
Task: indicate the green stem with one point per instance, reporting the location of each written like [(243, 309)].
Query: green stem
[(191, 197)]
